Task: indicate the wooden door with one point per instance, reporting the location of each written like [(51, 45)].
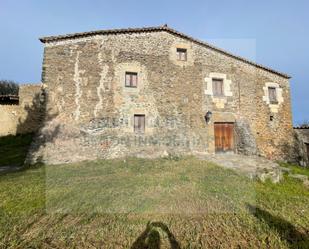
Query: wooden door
[(224, 137)]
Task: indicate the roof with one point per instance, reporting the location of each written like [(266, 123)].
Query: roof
[(164, 28), (301, 127)]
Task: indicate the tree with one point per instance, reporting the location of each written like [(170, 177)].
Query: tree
[(8, 87)]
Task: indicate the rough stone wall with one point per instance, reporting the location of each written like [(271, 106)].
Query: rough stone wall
[(93, 111), (245, 140), (24, 117), (274, 138), (302, 138)]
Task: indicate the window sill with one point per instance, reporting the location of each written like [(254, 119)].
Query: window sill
[(139, 133)]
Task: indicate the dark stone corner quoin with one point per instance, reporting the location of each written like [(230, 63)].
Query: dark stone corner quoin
[(156, 84)]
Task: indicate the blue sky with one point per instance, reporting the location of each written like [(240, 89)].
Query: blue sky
[(274, 33)]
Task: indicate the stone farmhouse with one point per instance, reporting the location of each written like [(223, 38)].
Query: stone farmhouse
[(153, 92)]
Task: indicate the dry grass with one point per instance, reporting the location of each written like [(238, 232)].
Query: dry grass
[(163, 203)]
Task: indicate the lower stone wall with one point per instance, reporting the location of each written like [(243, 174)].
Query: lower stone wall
[(61, 142), (24, 117), (245, 141), (302, 146)]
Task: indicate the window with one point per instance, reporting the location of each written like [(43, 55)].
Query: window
[(139, 123), (271, 118), (131, 79), (272, 95), (217, 87), (181, 54)]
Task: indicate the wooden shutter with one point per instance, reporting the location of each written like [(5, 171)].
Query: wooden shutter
[(221, 87), (131, 79), (181, 54), (142, 123), (178, 55), (139, 123), (127, 80), (134, 80), (272, 94), (217, 87), (135, 123)]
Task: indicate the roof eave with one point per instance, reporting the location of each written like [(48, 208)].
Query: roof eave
[(156, 29), (98, 32)]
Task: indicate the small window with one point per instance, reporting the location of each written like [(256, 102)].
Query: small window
[(139, 123), (271, 118), (272, 95), (181, 54), (131, 79), (217, 87)]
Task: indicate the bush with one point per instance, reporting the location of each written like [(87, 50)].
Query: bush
[(9, 87)]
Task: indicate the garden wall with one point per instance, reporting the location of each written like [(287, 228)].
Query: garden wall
[(25, 116)]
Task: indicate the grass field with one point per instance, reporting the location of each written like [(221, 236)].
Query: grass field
[(295, 169), (162, 203)]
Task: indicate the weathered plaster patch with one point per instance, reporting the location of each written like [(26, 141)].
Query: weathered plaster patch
[(60, 92), (273, 107), (101, 87), (72, 41), (78, 92)]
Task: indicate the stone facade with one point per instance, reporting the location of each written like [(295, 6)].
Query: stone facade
[(93, 110), (25, 116), (302, 145)]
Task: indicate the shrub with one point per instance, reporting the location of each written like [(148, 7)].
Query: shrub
[(8, 87)]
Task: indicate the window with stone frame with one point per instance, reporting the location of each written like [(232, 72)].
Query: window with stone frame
[(272, 94), (139, 123), (181, 54), (131, 79), (217, 87)]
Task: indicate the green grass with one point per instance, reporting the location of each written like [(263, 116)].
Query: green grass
[(13, 149), (295, 169), (156, 186), (183, 203)]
